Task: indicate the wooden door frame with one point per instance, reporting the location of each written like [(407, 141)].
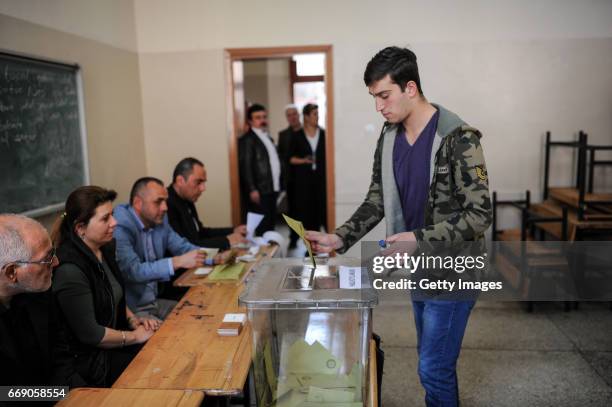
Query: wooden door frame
[(233, 119)]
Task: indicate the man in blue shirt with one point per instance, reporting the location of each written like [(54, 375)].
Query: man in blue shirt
[(144, 236)]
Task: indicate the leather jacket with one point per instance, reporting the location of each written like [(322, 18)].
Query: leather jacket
[(255, 171)]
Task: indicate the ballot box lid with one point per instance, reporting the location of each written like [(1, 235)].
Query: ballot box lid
[(337, 282)]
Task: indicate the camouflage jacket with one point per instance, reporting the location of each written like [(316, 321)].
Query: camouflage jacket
[(458, 208)]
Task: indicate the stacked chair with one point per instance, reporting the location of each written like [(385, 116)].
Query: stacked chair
[(566, 214)]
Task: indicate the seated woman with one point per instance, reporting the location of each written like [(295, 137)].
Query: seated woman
[(89, 290)]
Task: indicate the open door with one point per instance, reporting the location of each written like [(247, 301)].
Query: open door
[(237, 60)]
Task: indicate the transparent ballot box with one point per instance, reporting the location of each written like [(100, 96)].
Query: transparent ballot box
[(310, 333)]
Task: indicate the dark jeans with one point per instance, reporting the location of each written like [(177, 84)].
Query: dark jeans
[(266, 207), (440, 327)]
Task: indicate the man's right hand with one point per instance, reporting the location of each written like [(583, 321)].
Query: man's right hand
[(236, 238), (254, 196), (194, 258), (324, 242)]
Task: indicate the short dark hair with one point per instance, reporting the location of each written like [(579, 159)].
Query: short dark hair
[(185, 167), (256, 107), (399, 63), (141, 184), (308, 108)]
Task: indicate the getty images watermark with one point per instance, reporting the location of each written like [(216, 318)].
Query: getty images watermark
[(429, 266), (500, 271)]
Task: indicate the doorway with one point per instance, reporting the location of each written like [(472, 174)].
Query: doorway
[(307, 75)]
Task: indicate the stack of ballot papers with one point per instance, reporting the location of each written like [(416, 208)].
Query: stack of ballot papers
[(231, 325), (311, 378), (227, 272)]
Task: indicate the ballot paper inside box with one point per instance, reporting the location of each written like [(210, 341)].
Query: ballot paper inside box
[(310, 333)]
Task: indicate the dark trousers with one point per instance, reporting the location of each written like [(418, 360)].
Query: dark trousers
[(440, 327), (266, 207)]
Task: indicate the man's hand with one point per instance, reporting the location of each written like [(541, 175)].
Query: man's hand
[(324, 242), (223, 257), (194, 258), (404, 242), (240, 229), (150, 324), (236, 238), (254, 196)]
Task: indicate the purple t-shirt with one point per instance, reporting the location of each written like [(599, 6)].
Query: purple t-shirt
[(411, 166)]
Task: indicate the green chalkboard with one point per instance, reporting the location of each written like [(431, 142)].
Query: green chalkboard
[(43, 152)]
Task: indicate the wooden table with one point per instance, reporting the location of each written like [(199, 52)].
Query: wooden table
[(575, 225), (96, 397), (187, 353), (190, 279)]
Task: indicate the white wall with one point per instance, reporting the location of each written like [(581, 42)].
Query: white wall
[(267, 82), (110, 22), (278, 94), (512, 69)]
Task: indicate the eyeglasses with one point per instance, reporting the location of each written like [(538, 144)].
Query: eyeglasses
[(47, 261)]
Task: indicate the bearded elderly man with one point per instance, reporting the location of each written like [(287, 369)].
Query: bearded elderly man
[(27, 319)]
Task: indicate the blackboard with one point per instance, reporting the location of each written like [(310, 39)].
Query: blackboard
[(43, 151)]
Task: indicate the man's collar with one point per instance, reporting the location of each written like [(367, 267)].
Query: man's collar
[(138, 220), (260, 132)]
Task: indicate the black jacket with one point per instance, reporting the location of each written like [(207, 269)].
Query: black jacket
[(255, 168), (284, 143), (183, 218), (37, 324), (309, 197), (91, 362)]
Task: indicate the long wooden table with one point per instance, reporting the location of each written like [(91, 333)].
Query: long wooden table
[(187, 353), (190, 279), (96, 397)]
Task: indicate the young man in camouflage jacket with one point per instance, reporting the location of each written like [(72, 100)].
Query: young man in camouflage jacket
[(429, 182)]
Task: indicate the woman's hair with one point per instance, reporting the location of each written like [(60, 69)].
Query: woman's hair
[(81, 206), (308, 108)]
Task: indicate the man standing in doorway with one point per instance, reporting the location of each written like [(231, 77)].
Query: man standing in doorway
[(285, 138), (262, 168), (429, 182)]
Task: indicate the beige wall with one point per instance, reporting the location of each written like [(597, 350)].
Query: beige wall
[(267, 82), (111, 88), (278, 95), (183, 95), (110, 22), (256, 82), (512, 69)]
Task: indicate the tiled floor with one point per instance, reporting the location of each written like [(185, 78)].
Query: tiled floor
[(509, 357)]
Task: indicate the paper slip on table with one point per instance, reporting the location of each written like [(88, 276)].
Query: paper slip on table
[(190, 279), (97, 397)]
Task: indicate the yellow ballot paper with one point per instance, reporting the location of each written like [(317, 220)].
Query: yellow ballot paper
[(226, 272), (298, 228)]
